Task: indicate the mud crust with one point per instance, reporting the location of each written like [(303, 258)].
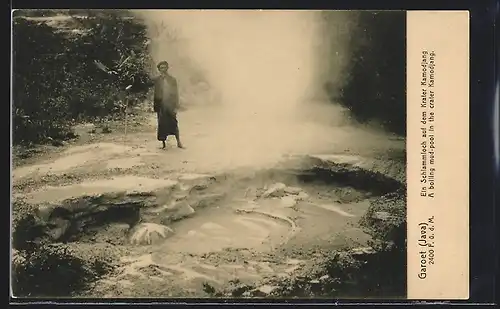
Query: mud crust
[(376, 271), (339, 273)]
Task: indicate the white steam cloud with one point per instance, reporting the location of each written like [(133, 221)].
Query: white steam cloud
[(267, 69)]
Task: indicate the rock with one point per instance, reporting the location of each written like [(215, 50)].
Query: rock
[(275, 190), (288, 201), (324, 278), (172, 211), (60, 227), (185, 210), (264, 290), (293, 190), (247, 294), (240, 290), (362, 251), (43, 212), (149, 233), (314, 281)]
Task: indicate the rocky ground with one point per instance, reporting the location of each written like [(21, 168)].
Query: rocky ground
[(122, 218)]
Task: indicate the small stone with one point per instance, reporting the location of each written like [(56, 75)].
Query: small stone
[(264, 290), (314, 281), (246, 294), (61, 227), (362, 251), (240, 290), (325, 277)]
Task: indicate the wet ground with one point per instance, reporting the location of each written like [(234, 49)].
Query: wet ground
[(180, 224)]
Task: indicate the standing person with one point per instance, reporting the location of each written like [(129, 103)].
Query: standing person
[(166, 105)]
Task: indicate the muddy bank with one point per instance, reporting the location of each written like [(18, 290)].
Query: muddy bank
[(275, 232), (375, 271)]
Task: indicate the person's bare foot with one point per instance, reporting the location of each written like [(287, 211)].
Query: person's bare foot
[(181, 146)]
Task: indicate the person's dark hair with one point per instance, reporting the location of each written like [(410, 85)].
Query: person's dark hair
[(162, 63)]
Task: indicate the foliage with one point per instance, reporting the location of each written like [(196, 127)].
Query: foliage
[(385, 220), (68, 273), (24, 225), (38, 12), (344, 275), (35, 261), (376, 73), (55, 79)]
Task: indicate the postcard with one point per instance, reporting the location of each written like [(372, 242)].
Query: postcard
[(242, 154)]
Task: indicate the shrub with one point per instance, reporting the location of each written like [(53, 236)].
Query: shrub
[(375, 77), (43, 269), (377, 88), (392, 226), (55, 78), (33, 270), (38, 12)]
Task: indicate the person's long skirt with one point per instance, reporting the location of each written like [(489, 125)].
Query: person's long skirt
[(167, 125)]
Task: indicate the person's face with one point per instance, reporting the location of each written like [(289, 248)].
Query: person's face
[(163, 69)]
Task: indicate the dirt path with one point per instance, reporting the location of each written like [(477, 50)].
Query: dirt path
[(180, 222)]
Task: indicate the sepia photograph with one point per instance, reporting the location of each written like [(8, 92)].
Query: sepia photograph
[(239, 154)]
